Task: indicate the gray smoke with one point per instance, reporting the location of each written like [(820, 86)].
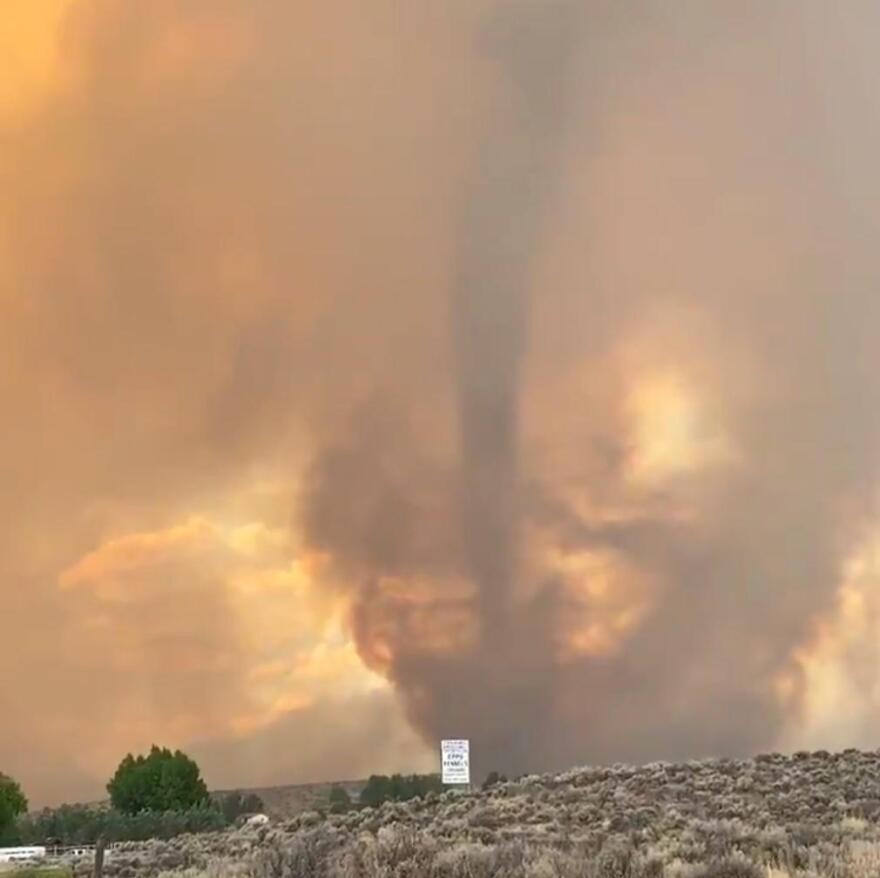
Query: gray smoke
[(506, 200), (692, 166)]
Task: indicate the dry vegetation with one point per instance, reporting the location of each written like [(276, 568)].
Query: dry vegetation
[(8, 870), (812, 814)]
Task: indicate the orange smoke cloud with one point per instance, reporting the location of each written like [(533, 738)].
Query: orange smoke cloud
[(177, 188), (29, 45), (378, 372), (204, 627)]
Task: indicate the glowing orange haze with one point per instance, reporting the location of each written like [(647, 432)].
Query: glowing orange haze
[(228, 236)]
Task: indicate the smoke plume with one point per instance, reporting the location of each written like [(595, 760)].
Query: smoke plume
[(654, 599), (380, 372)]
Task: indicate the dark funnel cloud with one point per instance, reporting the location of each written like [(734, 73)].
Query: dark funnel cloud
[(505, 201), (670, 191), (500, 215)]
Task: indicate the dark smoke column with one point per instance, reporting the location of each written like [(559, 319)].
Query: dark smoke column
[(503, 216)]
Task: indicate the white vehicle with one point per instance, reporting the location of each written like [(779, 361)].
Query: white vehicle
[(17, 855)]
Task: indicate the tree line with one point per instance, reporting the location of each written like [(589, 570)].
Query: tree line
[(161, 794), (157, 795), (381, 788)]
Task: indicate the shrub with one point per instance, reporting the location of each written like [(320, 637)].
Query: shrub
[(493, 778), (731, 868), (339, 800), (616, 861)]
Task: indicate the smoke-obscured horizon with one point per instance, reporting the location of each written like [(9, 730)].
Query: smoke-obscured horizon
[(376, 373)]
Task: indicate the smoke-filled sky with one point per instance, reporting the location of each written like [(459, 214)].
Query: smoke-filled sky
[(377, 372)]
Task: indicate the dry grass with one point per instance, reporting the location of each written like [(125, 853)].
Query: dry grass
[(36, 872), (806, 816)]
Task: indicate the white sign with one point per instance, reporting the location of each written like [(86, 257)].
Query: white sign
[(455, 760)]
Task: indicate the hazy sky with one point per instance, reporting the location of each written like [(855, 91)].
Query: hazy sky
[(377, 371)]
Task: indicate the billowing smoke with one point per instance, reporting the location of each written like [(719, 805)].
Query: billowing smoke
[(510, 364), (500, 214), (701, 441)]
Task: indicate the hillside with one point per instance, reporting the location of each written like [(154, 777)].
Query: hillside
[(807, 815)]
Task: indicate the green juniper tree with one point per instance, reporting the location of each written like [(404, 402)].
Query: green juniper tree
[(160, 781), (12, 803)]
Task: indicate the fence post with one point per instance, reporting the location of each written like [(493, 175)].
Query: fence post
[(99, 858)]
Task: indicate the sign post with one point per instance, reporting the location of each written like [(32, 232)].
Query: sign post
[(455, 761)]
